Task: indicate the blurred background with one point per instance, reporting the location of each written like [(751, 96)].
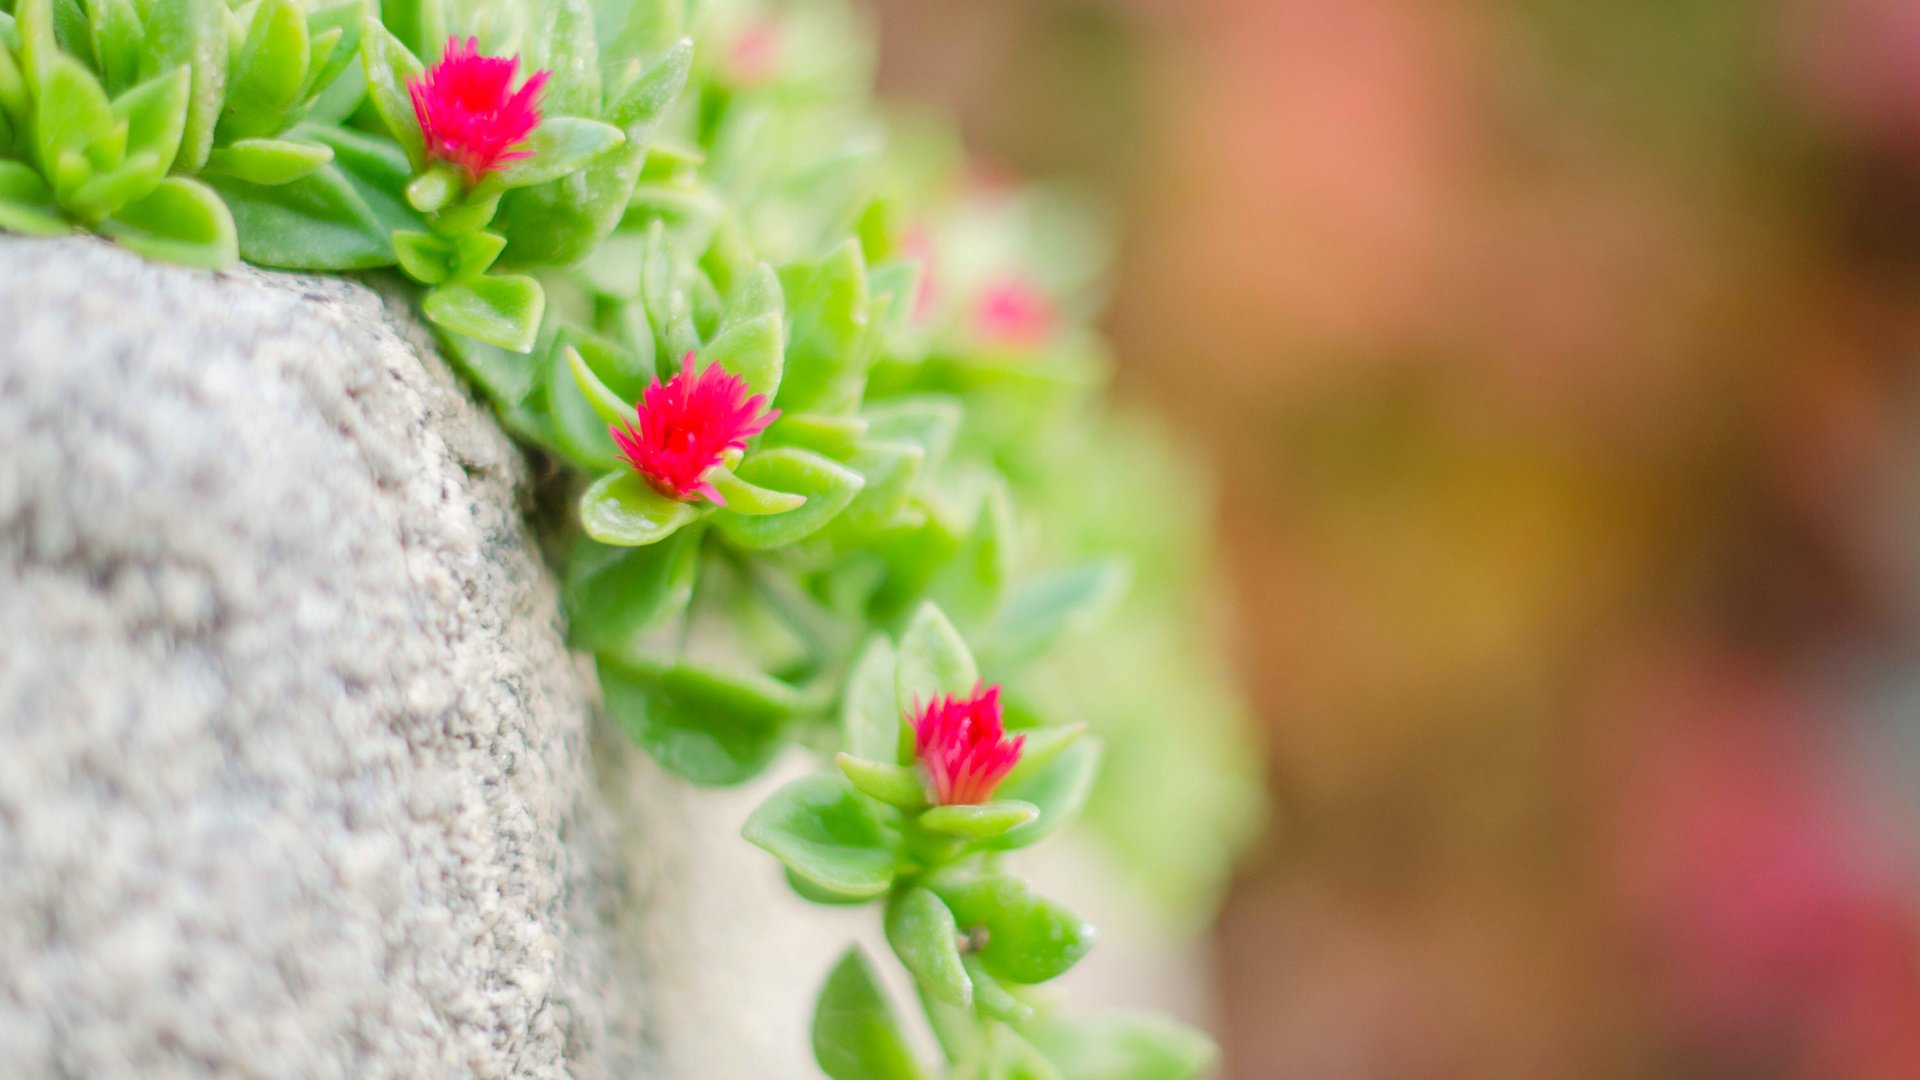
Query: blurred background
[(1556, 362)]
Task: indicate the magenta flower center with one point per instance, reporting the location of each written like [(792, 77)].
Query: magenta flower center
[(964, 748), (469, 112), (686, 425)]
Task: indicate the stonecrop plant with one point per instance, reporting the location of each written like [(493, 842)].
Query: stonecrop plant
[(827, 418)]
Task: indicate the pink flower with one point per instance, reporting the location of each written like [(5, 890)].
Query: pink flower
[(963, 747), (686, 424), (1012, 311), (468, 112), (755, 55)]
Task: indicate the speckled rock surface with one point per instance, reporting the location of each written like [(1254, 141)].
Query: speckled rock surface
[(293, 749)]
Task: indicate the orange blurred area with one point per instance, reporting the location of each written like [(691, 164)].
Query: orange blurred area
[(1558, 361)]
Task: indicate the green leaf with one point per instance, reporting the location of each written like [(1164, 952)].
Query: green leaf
[(1019, 1060), (889, 469), (557, 147), (756, 293), (925, 938), (991, 997), (616, 594), (855, 1033), (72, 115), (711, 727), (117, 40), (474, 253), (933, 660), (1059, 789), (563, 221), (1029, 938), (580, 432), (825, 360), (1040, 746), (375, 167), (16, 103), (837, 437), (108, 191), (929, 421), (390, 66), (332, 52), (26, 203), (1122, 1046), (621, 509), (436, 188), (982, 822), (502, 310), (505, 378), (751, 500), (563, 43), (751, 350), (34, 20), (870, 723), (895, 785), (424, 257), (269, 75), (1038, 612), (268, 161), (828, 488), (194, 33), (155, 113), (641, 107), (420, 26), (316, 222), (180, 221), (609, 406), (820, 828)]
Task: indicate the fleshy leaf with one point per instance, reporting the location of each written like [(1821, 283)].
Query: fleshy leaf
[(390, 66), (1059, 789), (502, 310), (557, 147), (895, 785), (26, 203), (828, 488), (826, 832), (621, 509), (1122, 1046), (315, 222), (870, 722), (268, 161), (193, 33), (933, 660), (1029, 938), (1038, 612), (270, 73), (983, 821), (616, 593), (751, 500), (712, 727), (924, 936), (751, 350), (180, 221), (855, 1033), (606, 404)]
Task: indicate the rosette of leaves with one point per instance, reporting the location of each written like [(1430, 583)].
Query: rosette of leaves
[(975, 938), (114, 108), (553, 204), (100, 107)]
